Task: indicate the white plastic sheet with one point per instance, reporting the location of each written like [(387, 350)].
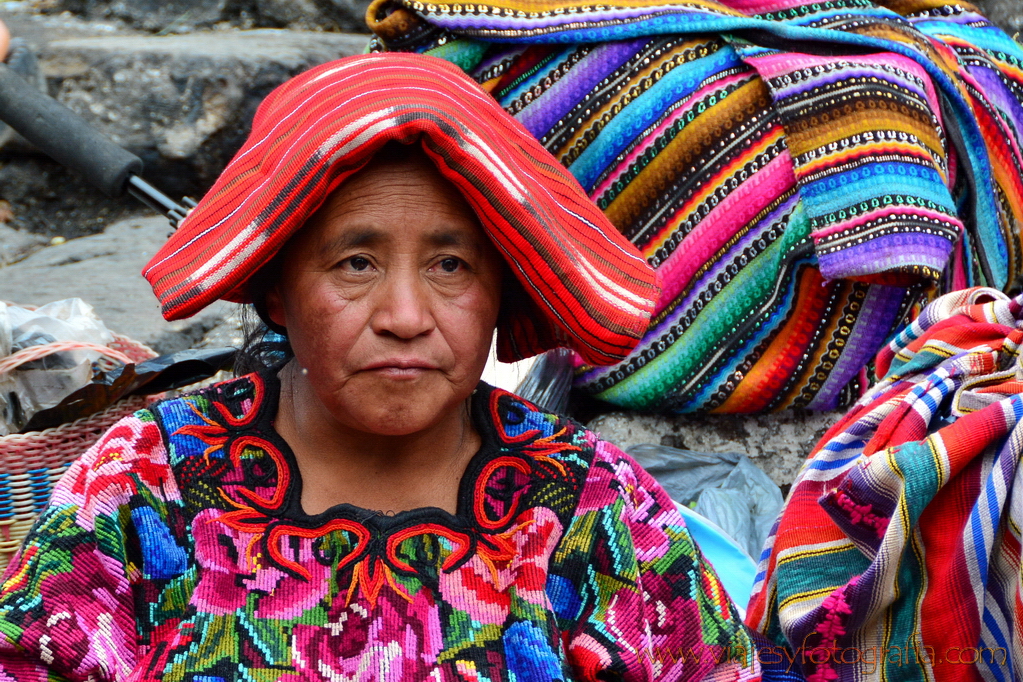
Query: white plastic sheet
[(43, 383), (727, 488)]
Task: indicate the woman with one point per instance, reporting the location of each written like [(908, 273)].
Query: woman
[(369, 510)]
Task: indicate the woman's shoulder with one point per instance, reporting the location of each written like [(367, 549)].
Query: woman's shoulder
[(528, 430), (128, 462), (238, 399), (138, 453), (518, 423), (194, 422)]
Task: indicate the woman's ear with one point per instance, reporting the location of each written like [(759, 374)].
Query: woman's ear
[(265, 293), (273, 308)]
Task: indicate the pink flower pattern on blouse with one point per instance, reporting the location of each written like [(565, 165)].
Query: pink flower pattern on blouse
[(175, 550)]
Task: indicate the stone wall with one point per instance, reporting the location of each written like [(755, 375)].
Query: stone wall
[(183, 103), (182, 16), (778, 443)]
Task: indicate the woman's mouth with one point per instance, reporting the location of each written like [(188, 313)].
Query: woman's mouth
[(400, 368)]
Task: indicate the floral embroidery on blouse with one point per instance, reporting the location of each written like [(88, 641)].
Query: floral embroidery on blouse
[(177, 549)]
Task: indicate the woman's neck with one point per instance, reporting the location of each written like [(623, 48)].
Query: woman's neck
[(387, 473)]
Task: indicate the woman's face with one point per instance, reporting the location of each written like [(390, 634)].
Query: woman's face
[(390, 296)]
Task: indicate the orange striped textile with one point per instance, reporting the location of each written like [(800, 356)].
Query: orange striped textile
[(585, 285)]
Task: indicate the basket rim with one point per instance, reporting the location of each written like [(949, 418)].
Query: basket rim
[(98, 417), (101, 418)]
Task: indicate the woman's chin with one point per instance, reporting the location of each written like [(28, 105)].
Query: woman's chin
[(397, 420), (399, 406)]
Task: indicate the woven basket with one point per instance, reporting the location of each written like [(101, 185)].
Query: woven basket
[(31, 463)]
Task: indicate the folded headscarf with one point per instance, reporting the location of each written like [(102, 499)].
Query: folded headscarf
[(897, 556), (586, 287), (798, 171)]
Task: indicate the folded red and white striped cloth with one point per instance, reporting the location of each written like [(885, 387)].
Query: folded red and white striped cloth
[(897, 555), (583, 285)]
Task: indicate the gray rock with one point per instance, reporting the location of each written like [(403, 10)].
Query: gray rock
[(778, 443), (181, 16), (171, 95), (104, 270), (1006, 13), (182, 103), (350, 14), (16, 245), (287, 12), (25, 21), (163, 15), (324, 15)]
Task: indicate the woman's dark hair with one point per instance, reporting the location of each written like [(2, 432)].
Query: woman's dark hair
[(263, 350), (265, 346)]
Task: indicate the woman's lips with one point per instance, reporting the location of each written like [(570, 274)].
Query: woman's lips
[(400, 369)]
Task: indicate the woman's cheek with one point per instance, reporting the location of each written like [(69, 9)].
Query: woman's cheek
[(326, 333)]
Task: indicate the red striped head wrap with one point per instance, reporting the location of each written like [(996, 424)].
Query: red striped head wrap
[(586, 287)]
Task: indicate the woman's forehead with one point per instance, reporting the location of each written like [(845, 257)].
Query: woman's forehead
[(343, 236), (396, 200)]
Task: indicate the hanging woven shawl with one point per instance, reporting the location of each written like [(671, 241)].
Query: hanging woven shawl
[(799, 173), (897, 556)]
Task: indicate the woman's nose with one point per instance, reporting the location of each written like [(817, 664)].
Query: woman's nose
[(402, 307)]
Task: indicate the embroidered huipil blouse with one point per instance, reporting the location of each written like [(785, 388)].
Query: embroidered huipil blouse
[(176, 549)]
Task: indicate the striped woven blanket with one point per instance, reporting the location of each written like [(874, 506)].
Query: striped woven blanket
[(897, 556), (801, 174)]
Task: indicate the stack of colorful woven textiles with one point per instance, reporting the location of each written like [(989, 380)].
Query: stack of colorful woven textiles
[(801, 174), (897, 556)]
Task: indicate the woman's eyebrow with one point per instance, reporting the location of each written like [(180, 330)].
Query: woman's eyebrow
[(453, 238), (353, 239), (445, 238), (369, 236)]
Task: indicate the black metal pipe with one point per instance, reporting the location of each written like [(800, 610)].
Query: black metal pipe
[(71, 141), (158, 201)]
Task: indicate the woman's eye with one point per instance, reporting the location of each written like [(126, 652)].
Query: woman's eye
[(357, 263), (450, 264)]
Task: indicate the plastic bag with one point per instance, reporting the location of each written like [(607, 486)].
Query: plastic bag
[(45, 382), (157, 375), (727, 488), (549, 381)]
